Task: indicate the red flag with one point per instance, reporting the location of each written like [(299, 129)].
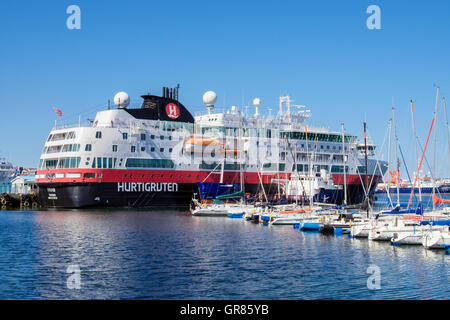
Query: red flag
[(58, 112)]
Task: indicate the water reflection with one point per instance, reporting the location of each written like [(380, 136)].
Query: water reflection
[(172, 255)]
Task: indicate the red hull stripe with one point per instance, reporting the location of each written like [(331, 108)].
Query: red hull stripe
[(121, 175)]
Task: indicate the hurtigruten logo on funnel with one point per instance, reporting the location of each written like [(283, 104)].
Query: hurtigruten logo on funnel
[(172, 111), (147, 187)]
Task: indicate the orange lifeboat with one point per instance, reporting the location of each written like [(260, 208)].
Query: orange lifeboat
[(202, 141)]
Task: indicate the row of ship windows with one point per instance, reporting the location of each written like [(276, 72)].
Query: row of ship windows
[(104, 163), (88, 147), (312, 136), (143, 136), (62, 136), (267, 133), (273, 167), (109, 163), (62, 163), (62, 148)]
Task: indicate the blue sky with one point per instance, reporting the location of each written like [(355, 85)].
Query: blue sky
[(319, 52)]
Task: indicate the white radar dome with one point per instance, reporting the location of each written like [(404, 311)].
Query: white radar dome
[(122, 99), (209, 98), (256, 102)]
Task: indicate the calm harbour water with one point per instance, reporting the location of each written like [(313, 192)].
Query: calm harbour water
[(127, 254)]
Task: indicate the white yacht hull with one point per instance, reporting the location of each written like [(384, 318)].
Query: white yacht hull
[(436, 240)]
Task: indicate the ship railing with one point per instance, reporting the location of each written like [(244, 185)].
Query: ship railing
[(71, 125)]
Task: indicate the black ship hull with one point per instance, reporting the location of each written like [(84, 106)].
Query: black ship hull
[(153, 195), (84, 195)]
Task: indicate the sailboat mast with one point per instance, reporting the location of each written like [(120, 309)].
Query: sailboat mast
[(309, 166), (241, 165), (434, 156), (444, 102), (397, 163), (278, 176), (344, 158), (415, 149), (295, 174), (388, 187), (366, 164)]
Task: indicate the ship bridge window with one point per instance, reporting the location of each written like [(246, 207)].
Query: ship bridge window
[(142, 148), (71, 135), (125, 136), (88, 147), (114, 148), (142, 136), (133, 148), (59, 136), (98, 134)]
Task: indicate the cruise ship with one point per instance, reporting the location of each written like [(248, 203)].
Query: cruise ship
[(160, 155)]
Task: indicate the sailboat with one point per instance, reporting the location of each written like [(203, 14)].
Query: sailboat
[(235, 209), (438, 239)]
